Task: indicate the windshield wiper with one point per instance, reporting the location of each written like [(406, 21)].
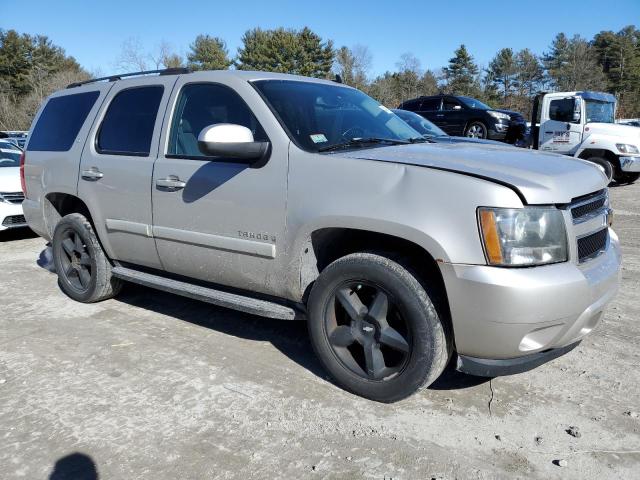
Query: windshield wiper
[(356, 142), (424, 139)]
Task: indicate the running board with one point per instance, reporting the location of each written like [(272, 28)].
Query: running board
[(234, 301)]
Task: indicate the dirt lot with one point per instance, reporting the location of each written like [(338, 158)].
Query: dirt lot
[(152, 385)]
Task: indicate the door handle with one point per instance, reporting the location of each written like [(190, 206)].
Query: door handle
[(172, 182), (92, 174), (440, 115)]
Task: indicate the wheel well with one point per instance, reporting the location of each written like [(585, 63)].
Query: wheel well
[(329, 244), (60, 204), (599, 152)]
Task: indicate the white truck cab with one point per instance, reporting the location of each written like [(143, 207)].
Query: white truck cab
[(582, 124)]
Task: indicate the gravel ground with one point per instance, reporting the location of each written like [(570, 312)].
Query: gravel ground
[(151, 385)]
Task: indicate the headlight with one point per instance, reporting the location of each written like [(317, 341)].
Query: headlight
[(523, 236), (626, 148), (499, 115)]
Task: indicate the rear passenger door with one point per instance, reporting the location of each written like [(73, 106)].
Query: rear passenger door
[(117, 167), (430, 109)]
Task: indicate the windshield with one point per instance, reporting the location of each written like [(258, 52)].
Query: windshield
[(318, 116), (600, 112), (474, 103), (9, 155), (420, 124)]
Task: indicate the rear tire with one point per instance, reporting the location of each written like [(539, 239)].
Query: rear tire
[(375, 329), (84, 271)]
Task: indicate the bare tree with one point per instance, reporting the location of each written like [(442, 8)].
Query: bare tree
[(132, 56)]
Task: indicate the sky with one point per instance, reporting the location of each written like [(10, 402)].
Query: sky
[(93, 32)]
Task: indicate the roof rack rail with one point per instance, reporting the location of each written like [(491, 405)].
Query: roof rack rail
[(113, 78)]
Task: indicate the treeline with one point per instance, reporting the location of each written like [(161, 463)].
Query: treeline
[(31, 67)]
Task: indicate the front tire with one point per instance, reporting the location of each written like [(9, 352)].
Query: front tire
[(84, 271), (605, 165), (476, 130), (375, 329), (626, 177)]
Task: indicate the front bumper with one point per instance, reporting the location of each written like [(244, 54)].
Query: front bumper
[(506, 313), (11, 216), (488, 367), (630, 164)]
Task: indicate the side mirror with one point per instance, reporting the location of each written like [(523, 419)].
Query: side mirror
[(576, 110), (231, 141)]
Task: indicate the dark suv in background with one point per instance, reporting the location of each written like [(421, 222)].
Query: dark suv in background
[(469, 117)]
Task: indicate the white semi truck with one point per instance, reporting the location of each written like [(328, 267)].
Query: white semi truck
[(582, 124)]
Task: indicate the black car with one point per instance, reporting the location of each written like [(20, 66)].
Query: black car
[(469, 117), (430, 131)]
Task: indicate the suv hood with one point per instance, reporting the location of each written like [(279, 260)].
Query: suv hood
[(539, 177), (10, 180), (513, 115)]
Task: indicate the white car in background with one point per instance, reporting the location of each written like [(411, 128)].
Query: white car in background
[(11, 196)]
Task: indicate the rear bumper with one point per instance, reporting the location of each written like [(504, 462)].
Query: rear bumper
[(630, 164), (485, 367), (34, 215)]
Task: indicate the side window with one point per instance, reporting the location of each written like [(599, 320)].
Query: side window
[(411, 105), (561, 109), (60, 122), (202, 104), (431, 104), (127, 127), (450, 104)]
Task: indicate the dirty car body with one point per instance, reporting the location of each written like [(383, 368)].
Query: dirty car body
[(332, 183)]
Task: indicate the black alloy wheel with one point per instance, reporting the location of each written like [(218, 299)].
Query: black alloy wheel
[(367, 331), (76, 261)]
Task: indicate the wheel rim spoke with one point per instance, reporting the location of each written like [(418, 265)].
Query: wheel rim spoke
[(79, 247), (374, 360), (68, 246), (379, 307), (69, 271), (85, 259), (84, 276), (392, 338), (351, 303), (341, 337)]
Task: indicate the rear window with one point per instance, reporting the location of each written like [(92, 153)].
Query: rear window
[(430, 104), (60, 122), (127, 127)]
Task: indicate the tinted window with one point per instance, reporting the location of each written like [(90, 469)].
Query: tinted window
[(451, 104), (203, 104), (431, 104), (127, 127), (60, 122), (561, 110), (411, 105)]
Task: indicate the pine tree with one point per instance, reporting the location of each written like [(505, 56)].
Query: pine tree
[(572, 65), (502, 75), (208, 53), (287, 51), (461, 75)]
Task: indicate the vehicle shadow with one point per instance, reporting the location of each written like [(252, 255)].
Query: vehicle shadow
[(289, 337), (76, 466), (13, 234)]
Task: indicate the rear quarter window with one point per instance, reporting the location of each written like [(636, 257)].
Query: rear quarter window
[(60, 122)]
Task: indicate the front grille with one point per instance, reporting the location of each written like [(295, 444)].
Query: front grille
[(13, 197), (14, 221), (592, 245), (588, 204)]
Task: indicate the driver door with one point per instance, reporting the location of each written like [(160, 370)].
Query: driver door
[(561, 130), (216, 219)]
